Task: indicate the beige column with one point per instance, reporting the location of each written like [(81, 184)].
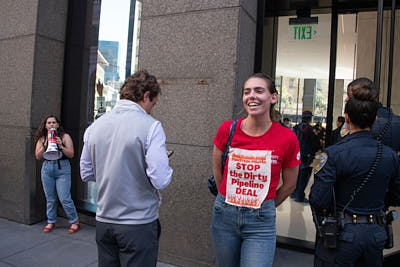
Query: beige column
[(337, 101), (366, 54), (308, 94), (32, 36)]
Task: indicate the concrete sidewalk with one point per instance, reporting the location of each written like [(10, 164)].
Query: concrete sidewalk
[(26, 245)]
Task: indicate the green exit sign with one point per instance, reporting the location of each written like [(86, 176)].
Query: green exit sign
[(303, 32)]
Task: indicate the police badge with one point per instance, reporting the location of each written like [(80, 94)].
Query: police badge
[(323, 158)]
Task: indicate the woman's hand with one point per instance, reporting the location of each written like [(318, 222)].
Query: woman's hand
[(59, 142), (217, 169)]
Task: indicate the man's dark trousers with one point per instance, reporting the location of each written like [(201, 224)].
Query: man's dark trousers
[(127, 245)]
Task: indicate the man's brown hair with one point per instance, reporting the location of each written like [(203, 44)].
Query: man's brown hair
[(136, 85)]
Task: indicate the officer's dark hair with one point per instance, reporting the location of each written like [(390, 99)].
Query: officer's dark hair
[(364, 83), (362, 106), (136, 85)]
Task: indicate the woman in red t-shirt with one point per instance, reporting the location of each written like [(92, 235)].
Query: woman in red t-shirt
[(243, 224)]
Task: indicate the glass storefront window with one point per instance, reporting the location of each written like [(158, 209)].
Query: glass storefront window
[(114, 50), (117, 58), (302, 68), (302, 73), (345, 62)]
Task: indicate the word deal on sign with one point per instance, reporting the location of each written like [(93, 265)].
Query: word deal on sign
[(246, 192), (303, 32)]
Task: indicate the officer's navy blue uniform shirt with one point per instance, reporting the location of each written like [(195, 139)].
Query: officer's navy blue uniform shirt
[(347, 165), (392, 136)]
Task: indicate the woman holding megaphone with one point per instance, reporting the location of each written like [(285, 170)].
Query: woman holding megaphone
[(55, 146)]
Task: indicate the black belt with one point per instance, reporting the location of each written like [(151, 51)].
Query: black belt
[(361, 218)]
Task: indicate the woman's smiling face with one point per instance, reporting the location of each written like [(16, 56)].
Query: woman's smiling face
[(257, 98)]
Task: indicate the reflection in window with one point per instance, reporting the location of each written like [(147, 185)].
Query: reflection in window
[(302, 72), (302, 67), (302, 75), (117, 58), (117, 51)]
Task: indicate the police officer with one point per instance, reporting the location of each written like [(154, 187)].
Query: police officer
[(350, 186), (390, 137)]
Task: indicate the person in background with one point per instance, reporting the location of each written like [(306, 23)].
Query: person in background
[(385, 115), (355, 181), (319, 131), (56, 174), (243, 224), (286, 123), (309, 144), (336, 133), (124, 152)]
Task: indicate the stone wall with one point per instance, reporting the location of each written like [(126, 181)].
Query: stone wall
[(201, 52), (32, 35)]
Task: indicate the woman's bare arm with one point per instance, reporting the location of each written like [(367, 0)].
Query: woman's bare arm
[(217, 166), (66, 146), (289, 179)]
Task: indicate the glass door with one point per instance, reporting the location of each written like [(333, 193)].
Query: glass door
[(302, 77)]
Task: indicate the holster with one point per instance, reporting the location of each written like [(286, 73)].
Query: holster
[(387, 220), (330, 231), (389, 232), (327, 228)]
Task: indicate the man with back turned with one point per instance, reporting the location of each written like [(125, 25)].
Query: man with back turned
[(124, 152)]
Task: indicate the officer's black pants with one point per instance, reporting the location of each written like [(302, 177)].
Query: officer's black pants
[(358, 245), (127, 245)]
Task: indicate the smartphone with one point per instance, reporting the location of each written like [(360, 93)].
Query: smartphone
[(169, 153)]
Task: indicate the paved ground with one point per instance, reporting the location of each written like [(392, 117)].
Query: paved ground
[(25, 245)]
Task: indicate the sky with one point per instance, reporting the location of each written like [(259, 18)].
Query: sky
[(114, 22)]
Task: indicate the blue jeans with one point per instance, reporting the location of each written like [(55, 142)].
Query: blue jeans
[(243, 236), (55, 182)]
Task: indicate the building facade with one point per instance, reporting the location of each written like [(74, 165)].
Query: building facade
[(201, 52)]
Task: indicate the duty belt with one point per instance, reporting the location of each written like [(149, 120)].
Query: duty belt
[(361, 218)]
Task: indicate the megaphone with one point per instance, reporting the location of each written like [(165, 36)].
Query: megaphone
[(52, 152)]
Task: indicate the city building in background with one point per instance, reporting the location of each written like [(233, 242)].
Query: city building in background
[(110, 51)]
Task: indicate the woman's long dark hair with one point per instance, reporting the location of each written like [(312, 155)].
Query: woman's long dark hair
[(362, 105), (42, 131)]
